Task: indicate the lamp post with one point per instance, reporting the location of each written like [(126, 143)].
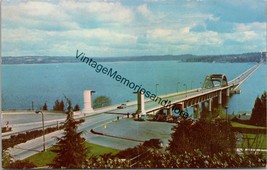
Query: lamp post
[(39, 111), (226, 108), (178, 86), (192, 85), (185, 90), (157, 89), (200, 86)]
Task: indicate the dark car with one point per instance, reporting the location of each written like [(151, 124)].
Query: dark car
[(122, 106)]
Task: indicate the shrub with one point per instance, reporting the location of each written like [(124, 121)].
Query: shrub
[(207, 136), (21, 164), (197, 159)]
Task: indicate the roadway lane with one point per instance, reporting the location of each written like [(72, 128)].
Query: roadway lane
[(31, 147), (21, 123)]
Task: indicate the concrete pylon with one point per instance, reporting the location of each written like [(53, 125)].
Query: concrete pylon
[(228, 92), (210, 103), (169, 112), (220, 97), (140, 103), (87, 96), (181, 104), (196, 111)]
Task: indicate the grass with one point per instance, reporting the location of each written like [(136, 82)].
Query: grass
[(236, 124), (44, 158), (97, 150), (256, 141)]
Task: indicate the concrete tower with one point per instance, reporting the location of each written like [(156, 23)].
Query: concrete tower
[(87, 95), (140, 103)]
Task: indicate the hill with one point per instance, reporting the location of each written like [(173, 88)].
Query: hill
[(246, 57)]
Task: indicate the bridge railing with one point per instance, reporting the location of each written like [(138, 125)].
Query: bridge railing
[(241, 78), (8, 134)]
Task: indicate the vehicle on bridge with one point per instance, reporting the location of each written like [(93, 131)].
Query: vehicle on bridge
[(122, 106)]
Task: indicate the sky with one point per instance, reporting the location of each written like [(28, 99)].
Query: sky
[(111, 28)]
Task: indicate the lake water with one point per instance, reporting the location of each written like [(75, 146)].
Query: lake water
[(40, 83)]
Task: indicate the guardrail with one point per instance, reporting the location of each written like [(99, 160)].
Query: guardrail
[(27, 130)]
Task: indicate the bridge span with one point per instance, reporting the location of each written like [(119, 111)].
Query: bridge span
[(207, 93), (214, 88)]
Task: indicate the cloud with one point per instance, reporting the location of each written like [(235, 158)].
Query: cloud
[(37, 15), (143, 9), (248, 34), (256, 26), (64, 42), (120, 28), (97, 12), (65, 14)]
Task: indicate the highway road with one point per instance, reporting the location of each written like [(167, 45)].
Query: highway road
[(99, 118), (24, 150), (32, 121)]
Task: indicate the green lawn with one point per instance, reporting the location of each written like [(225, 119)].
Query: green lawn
[(256, 141), (44, 158), (236, 124)]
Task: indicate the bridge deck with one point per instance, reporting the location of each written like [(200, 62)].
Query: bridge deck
[(185, 95)]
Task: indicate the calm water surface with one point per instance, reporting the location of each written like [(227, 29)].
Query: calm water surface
[(22, 84)]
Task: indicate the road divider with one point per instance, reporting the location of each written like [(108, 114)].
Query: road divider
[(118, 137)]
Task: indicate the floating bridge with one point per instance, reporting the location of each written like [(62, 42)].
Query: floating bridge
[(215, 86)]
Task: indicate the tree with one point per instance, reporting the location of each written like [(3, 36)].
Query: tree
[(208, 136), (9, 163), (45, 106), (76, 107), (6, 158), (197, 159), (153, 143), (61, 106), (56, 106), (70, 148), (101, 101), (21, 164), (258, 116), (142, 156)]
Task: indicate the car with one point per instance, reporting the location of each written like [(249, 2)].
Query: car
[(122, 106)]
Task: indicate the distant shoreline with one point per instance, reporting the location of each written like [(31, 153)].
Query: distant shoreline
[(226, 58)]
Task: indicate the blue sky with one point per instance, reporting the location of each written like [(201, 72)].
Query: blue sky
[(105, 28)]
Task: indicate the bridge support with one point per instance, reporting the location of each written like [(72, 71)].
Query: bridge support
[(87, 97), (180, 106), (220, 97), (202, 105), (210, 103), (228, 92), (196, 111), (140, 103), (169, 112)]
